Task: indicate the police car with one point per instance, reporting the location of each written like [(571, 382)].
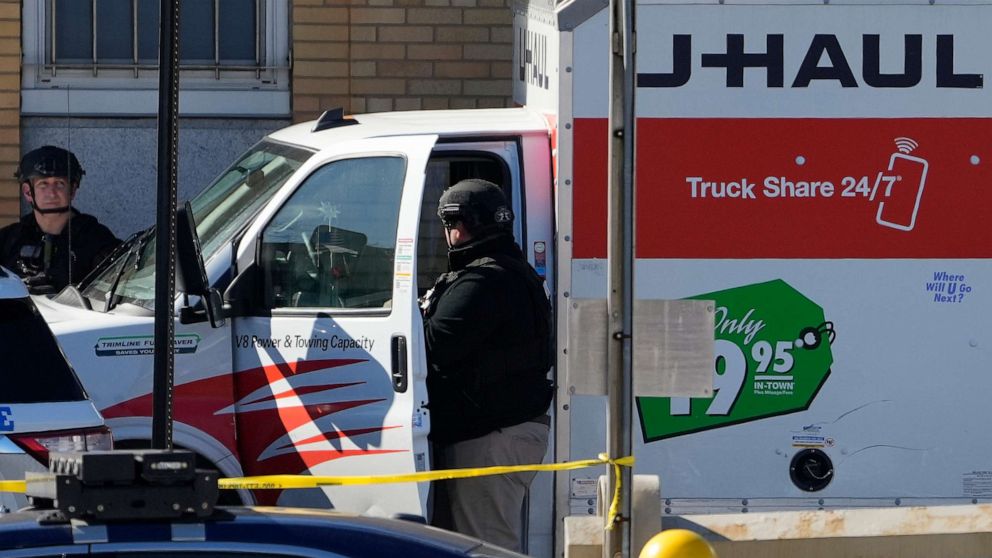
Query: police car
[(43, 407), (155, 503), (236, 533)]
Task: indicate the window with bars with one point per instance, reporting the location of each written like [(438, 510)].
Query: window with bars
[(234, 57), (122, 34)]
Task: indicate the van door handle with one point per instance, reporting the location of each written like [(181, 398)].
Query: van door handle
[(398, 350)]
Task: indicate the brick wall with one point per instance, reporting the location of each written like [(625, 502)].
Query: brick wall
[(380, 55), (10, 107)]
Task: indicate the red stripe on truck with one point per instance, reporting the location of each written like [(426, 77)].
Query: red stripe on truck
[(795, 188), (589, 192)]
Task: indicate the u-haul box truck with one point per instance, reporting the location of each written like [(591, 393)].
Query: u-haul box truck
[(821, 171)]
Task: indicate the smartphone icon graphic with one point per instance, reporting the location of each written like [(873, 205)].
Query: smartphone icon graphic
[(901, 199)]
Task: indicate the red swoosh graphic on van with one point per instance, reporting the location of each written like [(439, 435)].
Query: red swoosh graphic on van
[(343, 434), (254, 378), (198, 404), (273, 421), (194, 403)]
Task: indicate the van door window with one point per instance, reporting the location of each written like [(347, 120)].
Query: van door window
[(332, 244)]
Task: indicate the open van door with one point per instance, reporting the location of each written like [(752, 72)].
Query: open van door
[(330, 371)]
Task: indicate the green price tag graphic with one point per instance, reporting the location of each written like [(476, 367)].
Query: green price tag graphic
[(772, 356)]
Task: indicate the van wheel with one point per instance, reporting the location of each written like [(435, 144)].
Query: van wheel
[(225, 497)]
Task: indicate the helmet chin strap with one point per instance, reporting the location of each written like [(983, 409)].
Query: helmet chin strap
[(50, 210)]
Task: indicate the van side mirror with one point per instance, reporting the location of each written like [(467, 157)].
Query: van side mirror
[(192, 276), (215, 308), (242, 294)]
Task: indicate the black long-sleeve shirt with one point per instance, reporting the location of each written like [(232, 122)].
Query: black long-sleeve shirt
[(488, 334), (46, 259)]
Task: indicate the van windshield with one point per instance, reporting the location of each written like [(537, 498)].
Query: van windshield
[(34, 370), (220, 211)]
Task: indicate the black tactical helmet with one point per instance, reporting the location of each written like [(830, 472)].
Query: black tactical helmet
[(50, 161), (477, 203)]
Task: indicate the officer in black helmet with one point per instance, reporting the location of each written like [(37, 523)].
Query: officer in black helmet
[(54, 245), (488, 333)]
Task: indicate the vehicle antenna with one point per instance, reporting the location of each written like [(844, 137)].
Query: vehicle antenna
[(68, 147)]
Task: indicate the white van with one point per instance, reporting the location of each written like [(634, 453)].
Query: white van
[(321, 242), (43, 407)]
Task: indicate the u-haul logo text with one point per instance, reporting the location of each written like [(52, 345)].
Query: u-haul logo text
[(825, 60), (532, 58)]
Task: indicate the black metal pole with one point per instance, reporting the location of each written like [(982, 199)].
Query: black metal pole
[(165, 224), (620, 275)]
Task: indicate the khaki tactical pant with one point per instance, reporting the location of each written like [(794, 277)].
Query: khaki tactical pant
[(491, 507)]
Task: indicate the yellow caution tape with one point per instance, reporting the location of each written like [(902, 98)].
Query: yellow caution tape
[(281, 482), (284, 482), (614, 515), (13, 486)]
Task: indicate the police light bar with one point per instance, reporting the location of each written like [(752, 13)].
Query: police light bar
[(125, 484)]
